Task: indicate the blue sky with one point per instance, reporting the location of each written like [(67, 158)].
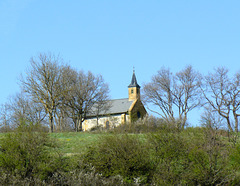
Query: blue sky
[(110, 37)]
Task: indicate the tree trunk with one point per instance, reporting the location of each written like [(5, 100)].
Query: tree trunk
[(75, 121), (229, 125), (235, 120), (97, 120), (184, 120), (51, 122), (80, 123)]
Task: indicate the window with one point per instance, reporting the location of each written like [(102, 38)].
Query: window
[(132, 91), (138, 114), (107, 125)]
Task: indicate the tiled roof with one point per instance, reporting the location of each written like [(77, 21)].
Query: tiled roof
[(115, 106)]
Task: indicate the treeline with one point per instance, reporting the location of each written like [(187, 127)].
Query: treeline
[(149, 152), (60, 97), (54, 93), (175, 95)]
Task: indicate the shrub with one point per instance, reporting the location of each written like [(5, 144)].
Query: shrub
[(25, 153), (208, 156), (145, 125), (76, 177), (195, 156), (169, 152), (124, 155)]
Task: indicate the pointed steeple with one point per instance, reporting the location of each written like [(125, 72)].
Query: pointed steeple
[(133, 88), (134, 81)]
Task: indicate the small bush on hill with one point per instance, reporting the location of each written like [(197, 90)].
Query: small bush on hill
[(125, 155), (145, 125), (190, 157), (25, 153), (169, 151)]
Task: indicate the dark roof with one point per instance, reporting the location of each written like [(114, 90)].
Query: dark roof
[(116, 106), (134, 81)]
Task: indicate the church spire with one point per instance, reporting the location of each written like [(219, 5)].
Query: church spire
[(134, 81), (133, 88)]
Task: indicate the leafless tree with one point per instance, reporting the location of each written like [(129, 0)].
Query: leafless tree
[(62, 119), (43, 82), (159, 93), (216, 91), (186, 92), (5, 117), (174, 93), (62, 113), (22, 108), (234, 91), (223, 94), (88, 90), (211, 120)]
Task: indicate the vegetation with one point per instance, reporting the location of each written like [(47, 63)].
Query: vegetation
[(26, 153), (179, 93), (141, 153)]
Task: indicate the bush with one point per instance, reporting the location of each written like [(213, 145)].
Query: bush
[(190, 157), (76, 177), (169, 151), (145, 125), (124, 155), (26, 153)]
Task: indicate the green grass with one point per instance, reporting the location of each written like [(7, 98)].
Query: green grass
[(71, 143), (76, 143)]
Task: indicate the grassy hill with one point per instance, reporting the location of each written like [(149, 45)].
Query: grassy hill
[(160, 156), (74, 143)]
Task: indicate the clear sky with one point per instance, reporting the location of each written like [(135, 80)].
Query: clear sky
[(109, 37)]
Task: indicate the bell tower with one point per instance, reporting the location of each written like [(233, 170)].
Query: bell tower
[(133, 89)]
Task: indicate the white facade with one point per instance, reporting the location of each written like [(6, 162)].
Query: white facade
[(106, 121)]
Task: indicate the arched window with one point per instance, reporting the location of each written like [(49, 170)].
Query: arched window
[(138, 114)]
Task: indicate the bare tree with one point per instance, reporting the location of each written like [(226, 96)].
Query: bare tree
[(216, 91), (62, 117), (22, 108), (223, 94), (174, 93), (5, 117), (159, 93), (87, 91), (43, 83), (186, 92), (234, 91), (211, 119)]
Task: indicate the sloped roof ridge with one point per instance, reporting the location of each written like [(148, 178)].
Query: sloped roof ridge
[(118, 99)]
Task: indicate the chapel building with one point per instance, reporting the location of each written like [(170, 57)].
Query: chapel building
[(118, 111)]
